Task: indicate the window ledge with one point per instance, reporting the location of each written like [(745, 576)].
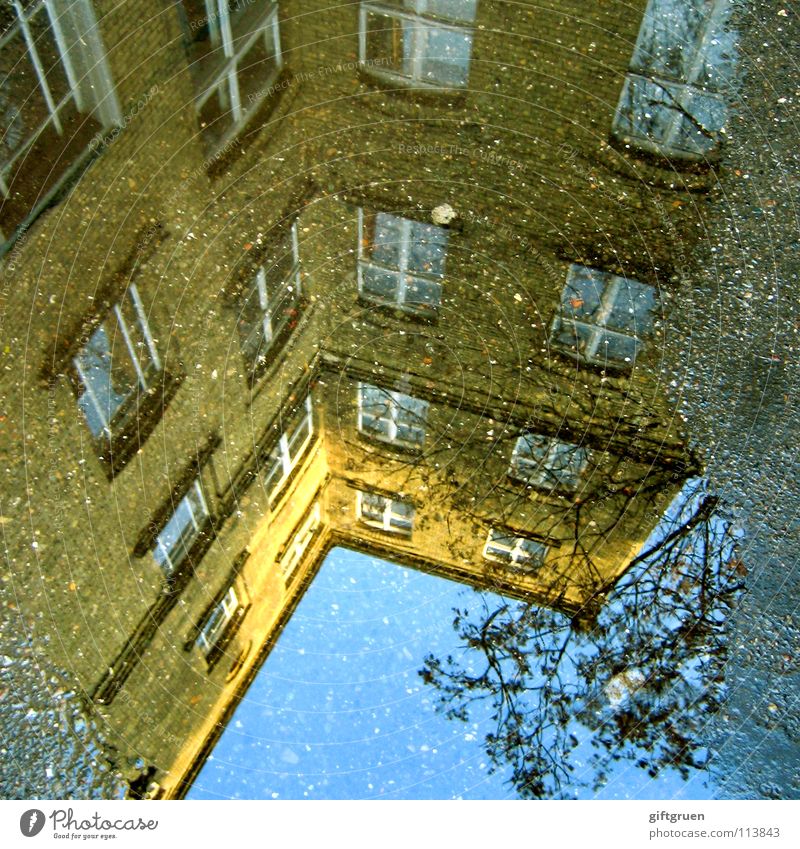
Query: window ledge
[(134, 425), (411, 89)]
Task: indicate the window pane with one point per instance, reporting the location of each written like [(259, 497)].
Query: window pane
[(543, 461), (180, 532), (256, 68), (427, 249), (387, 40), (402, 515), (273, 473), (574, 336), (686, 40), (583, 292), (446, 56), (633, 306), (254, 336), (423, 292), (215, 113), (615, 347), (299, 435), (108, 375), (383, 234), (137, 333), (372, 506), (379, 283)]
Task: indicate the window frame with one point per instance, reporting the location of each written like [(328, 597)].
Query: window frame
[(230, 605), (390, 521), (678, 90), (91, 90), (272, 327), (222, 75), (289, 456), (424, 23), (395, 402), (541, 481), (171, 565), (148, 374), (529, 561), (302, 538), (401, 272), (613, 287)]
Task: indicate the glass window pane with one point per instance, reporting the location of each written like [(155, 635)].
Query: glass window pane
[(427, 249), (250, 322), (23, 107), (378, 283), (633, 306), (582, 296), (614, 347), (256, 68), (574, 336), (446, 56), (108, 374), (383, 235), (424, 293), (215, 113), (177, 536), (387, 40)]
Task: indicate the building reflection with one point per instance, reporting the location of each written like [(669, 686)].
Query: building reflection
[(421, 337)]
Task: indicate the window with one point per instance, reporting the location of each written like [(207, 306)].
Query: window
[(424, 42), (670, 101), (301, 541), (272, 304), (234, 53), (56, 94), (185, 525), (401, 262), (603, 317), (388, 514), (547, 463), (217, 623), (391, 416), (290, 448), (117, 364), (522, 552)]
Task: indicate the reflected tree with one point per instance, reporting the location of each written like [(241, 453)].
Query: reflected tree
[(637, 682)]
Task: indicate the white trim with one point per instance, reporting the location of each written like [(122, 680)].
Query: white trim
[(516, 552), (207, 639), (301, 541), (390, 521), (394, 404)]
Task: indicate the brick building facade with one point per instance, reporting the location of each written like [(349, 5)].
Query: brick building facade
[(381, 275)]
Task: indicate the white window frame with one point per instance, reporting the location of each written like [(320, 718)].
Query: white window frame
[(517, 554), (401, 272), (288, 452), (422, 27), (543, 475), (395, 401), (196, 521), (391, 520), (219, 20), (213, 629), (95, 85), (269, 328), (678, 91), (611, 287), (145, 371), (301, 541)]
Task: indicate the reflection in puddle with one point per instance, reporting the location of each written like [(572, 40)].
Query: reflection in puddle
[(362, 475), (391, 683)]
